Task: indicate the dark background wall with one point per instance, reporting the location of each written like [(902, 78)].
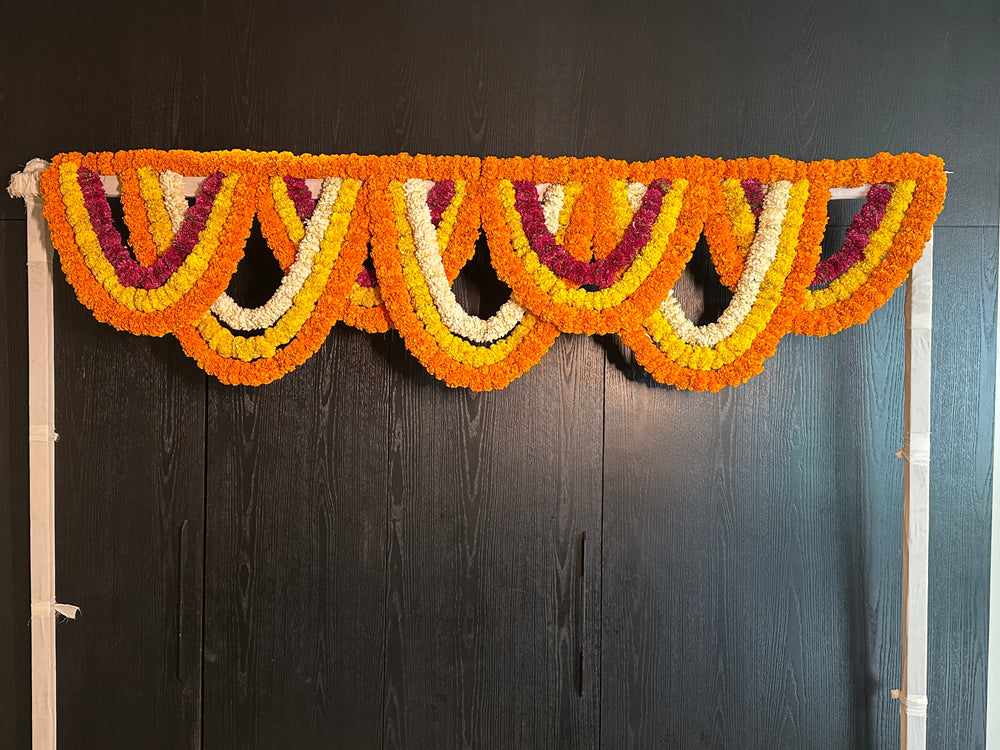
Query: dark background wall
[(357, 556)]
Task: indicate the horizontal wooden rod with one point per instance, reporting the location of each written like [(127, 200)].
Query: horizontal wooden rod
[(112, 188)]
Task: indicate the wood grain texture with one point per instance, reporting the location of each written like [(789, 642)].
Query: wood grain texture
[(425, 547), (812, 81), (667, 79), (93, 78), (487, 514), (296, 494), (15, 593), (129, 527), (751, 548), (131, 411), (296, 507), (964, 351), (491, 495)]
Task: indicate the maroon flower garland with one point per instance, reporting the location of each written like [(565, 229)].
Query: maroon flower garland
[(600, 273), (301, 196), (439, 198), (865, 222), (129, 272), (753, 189)]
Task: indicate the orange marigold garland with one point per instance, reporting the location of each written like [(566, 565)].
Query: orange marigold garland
[(405, 241), (586, 245), (892, 247), (137, 218), (733, 349), (365, 309), (613, 292), (298, 334), (152, 305)]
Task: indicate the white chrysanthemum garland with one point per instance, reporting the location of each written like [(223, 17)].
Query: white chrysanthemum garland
[(428, 254), (635, 192), (172, 187), (553, 197), (759, 258), (245, 319)]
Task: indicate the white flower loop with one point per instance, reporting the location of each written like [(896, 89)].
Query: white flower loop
[(243, 319), (172, 186), (458, 321), (761, 255), (635, 192), (552, 205)]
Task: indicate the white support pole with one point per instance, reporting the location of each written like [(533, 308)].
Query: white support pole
[(993, 647), (912, 694), (41, 461)]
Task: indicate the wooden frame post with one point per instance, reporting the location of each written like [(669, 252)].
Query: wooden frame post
[(916, 502), (41, 460)]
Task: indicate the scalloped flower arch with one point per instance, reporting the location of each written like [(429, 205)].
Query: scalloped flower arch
[(585, 245)]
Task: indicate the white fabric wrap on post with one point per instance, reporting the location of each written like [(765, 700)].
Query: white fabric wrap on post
[(916, 502), (41, 460)]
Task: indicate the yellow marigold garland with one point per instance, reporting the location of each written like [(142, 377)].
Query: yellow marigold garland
[(927, 172), (157, 217), (598, 270), (264, 347), (447, 356), (741, 354)]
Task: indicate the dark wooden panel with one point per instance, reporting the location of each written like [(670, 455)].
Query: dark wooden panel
[(964, 344), (808, 81), (129, 467), (295, 566), (130, 413), (839, 640), (492, 495), (15, 637), (751, 551), (297, 470), (491, 498), (826, 80), (98, 78)]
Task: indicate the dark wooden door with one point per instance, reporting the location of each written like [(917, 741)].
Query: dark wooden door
[(295, 565), (393, 563), (763, 556), (129, 536), (357, 556)]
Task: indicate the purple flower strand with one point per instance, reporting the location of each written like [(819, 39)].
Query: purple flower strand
[(128, 271), (301, 196), (866, 221), (439, 198), (602, 272), (305, 204), (754, 192)]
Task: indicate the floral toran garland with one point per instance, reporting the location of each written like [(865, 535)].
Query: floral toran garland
[(585, 245)]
